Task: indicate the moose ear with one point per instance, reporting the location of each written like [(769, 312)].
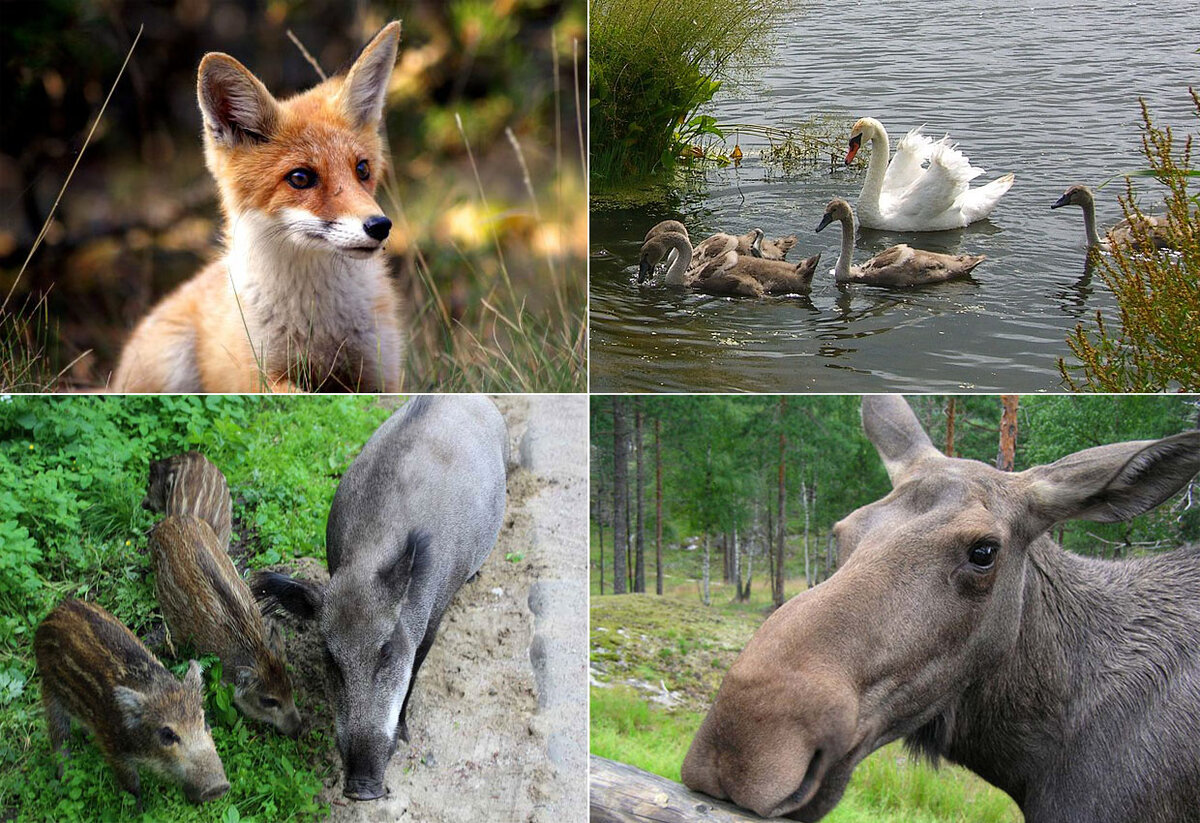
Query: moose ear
[(275, 591), (892, 427), (367, 81), (1112, 483), (411, 563), (236, 106)]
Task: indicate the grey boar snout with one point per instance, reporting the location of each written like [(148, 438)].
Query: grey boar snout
[(363, 788), (196, 794)]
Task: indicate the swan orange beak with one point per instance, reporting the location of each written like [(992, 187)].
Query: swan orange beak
[(855, 145)]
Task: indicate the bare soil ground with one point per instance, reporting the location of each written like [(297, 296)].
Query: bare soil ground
[(498, 719)]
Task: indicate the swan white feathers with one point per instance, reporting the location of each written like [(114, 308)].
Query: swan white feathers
[(925, 187)]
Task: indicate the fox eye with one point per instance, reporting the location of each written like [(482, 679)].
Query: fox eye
[(167, 736), (301, 178), (364, 169), (268, 702)]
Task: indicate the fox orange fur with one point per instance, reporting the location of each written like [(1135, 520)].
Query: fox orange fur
[(301, 299)]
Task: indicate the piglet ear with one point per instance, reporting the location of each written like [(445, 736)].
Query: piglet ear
[(237, 107), (1114, 482), (193, 679), (410, 564), (130, 702), (367, 81), (896, 433)]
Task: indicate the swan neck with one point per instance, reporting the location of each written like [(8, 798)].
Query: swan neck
[(881, 155), (683, 259), (841, 270), (1089, 222)]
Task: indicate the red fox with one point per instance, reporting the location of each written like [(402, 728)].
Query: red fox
[(301, 299)]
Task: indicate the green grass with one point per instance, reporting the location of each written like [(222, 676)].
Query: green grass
[(689, 647), (653, 68), (71, 524)]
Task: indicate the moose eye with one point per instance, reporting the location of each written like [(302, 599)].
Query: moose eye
[(364, 170), (983, 555), (167, 736), (301, 178), (268, 702)]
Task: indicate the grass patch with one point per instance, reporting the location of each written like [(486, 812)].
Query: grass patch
[(71, 524), (654, 66)]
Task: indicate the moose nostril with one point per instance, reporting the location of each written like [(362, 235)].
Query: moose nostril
[(377, 227)]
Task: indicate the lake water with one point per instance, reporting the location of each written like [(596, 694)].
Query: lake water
[(1046, 90)]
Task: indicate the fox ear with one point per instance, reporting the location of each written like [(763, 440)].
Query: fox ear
[(235, 105), (367, 80)]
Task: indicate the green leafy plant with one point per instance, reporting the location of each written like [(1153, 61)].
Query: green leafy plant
[(653, 67), (1155, 345)]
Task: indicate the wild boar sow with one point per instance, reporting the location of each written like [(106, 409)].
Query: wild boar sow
[(207, 604), (94, 669), (955, 623), (190, 484), (413, 518)]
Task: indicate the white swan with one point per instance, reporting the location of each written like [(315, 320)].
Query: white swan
[(730, 274), (926, 187), (900, 265), (1156, 231)]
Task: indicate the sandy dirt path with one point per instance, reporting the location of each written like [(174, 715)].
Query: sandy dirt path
[(498, 721)]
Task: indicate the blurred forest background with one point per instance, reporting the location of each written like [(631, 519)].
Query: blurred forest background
[(721, 469), (491, 264)]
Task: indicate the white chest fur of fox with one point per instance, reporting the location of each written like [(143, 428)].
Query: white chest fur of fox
[(301, 299)]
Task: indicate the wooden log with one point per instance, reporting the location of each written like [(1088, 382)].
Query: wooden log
[(621, 793)]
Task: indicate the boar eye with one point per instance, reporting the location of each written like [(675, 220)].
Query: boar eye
[(364, 169), (385, 653), (167, 736), (268, 702), (301, 178)]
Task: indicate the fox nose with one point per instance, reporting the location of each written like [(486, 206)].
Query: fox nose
[(377, 227)]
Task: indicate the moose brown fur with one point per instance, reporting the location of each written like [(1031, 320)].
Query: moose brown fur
[(955, 623)]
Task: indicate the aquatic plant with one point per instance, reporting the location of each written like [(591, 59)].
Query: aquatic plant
[(653, 65), (1156, 344)]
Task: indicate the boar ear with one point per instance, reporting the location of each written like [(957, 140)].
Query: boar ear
[(274, 638), (130, 702), (243, 677), (236, 106), (410, 564), (193, 679), (278, 591), (367, 81)]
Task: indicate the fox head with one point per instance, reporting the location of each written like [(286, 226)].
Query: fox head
[(301, 171)]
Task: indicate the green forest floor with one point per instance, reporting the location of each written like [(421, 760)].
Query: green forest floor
[(72, 525), (661, 660)]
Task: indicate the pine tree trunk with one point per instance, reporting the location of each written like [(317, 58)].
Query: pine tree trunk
[(639, 577), (658, 567), (620, 493), (780, 523), (951, 411), (1008, 433), (804, 502), (707, 599)]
